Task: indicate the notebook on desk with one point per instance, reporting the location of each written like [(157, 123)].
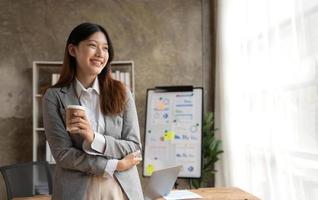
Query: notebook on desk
[(161, 182)]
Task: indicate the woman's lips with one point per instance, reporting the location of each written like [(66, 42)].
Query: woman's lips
[(96, 62)]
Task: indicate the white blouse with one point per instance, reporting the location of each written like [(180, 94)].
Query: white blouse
[(89, 99)]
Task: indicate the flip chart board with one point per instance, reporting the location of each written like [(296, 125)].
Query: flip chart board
[(173, 130)]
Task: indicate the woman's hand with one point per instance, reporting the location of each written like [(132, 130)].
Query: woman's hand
[(129, 161), (79, 124)]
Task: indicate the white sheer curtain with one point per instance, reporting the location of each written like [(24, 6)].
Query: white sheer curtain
[(267, 96)]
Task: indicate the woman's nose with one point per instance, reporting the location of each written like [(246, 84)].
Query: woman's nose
[(99, 52)]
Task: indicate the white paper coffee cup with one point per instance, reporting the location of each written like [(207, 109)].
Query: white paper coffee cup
[(70, 110)]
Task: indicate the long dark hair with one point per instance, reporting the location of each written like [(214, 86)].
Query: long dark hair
[(113, 92)]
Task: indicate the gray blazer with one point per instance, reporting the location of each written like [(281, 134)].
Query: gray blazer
[(74, 168)]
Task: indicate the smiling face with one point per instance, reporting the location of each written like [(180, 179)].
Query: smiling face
[(91, 55)]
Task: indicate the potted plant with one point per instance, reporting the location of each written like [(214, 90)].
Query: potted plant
[(211, 149)]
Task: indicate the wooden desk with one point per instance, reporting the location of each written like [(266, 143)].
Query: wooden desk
[(37, 197), (229, 193)]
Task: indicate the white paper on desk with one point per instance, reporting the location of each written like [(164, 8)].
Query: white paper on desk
[(181, 194)]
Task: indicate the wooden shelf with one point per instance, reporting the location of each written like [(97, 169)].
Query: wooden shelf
[(42, 78)]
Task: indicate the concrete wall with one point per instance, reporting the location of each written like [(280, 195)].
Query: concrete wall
[(165, 39)]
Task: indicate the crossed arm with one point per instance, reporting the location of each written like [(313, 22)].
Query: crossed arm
[(73, 158)]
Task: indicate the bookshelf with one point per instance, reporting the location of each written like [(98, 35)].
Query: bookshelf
[(124, 72), (45, 74)]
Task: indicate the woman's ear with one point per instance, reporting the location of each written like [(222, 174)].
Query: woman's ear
[(72, 50)]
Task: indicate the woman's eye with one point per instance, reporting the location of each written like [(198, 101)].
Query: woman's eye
[(92, 45), (105, 48)]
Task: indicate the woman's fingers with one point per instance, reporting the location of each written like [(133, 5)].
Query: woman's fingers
[(130, 156), (79, 123), (72, 129), (127, 163), (81, 115), (135, 156), (79, 128), (76, 120), (137, 161), (134, 160)]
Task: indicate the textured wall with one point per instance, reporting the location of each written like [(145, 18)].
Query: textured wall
[(163, 37)]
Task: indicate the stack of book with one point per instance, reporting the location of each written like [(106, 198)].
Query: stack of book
[(124, 77), (55, 78)]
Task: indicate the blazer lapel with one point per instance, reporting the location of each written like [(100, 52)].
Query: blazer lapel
[(68, 96)]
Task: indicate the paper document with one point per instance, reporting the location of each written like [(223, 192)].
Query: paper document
[(181, 194)]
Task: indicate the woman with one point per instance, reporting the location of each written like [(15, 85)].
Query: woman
[(96, 158)]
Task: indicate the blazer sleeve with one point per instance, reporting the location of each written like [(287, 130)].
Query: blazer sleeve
[(64, 153), (130, 134)]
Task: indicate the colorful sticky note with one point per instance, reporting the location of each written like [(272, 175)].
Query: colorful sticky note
[(149, 169), (169, 136)]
